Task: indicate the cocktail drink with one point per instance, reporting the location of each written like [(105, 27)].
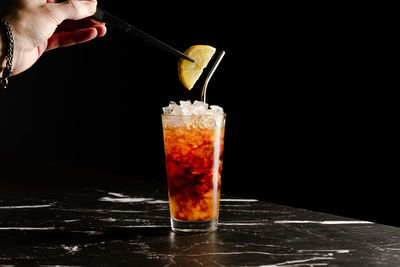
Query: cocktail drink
[(193, 144)]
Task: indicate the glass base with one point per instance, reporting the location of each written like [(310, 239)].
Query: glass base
[(194, 226)]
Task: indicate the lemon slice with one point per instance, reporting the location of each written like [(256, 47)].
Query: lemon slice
[(190, 72)]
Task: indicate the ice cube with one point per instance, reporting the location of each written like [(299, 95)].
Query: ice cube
[(199, 107), (167, 110), (177, 110), (186, 107), (185, 103), (172, 108), (217, 109)]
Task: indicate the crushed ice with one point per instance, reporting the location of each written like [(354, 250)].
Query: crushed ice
[(193, 115), (187, 108)]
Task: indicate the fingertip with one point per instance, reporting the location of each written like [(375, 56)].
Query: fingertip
[(91, 33), (101, 30), (85, 35)]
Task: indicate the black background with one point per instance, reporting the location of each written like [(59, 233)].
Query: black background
[(298, 82)]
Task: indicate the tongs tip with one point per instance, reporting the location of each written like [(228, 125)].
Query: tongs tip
[(190, 59)]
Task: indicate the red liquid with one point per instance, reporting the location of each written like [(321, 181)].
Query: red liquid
[(194, 163)]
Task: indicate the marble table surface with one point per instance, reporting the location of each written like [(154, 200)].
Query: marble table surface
[(129, 226)]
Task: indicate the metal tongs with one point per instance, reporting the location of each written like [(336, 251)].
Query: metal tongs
[(110, 19)]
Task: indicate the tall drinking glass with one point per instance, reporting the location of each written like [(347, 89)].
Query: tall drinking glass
[(193, 153)]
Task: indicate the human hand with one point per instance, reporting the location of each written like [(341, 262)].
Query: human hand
[(42, 25)]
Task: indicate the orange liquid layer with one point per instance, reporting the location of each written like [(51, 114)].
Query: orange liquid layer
[(194, 164)]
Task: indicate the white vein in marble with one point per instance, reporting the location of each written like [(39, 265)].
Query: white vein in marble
[(109, 219), (121, 198), (324, 222), (295, 262), (25, 207), (72, 220), (240, 253), (116, 194), (340, 251), (102, 210), (237, 200), (142, 226), (27, 228), (157, 201), (88, 232), (241, 224), (125, 199), (71, 249)]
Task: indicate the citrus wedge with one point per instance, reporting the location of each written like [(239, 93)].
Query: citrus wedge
[(190, 72)]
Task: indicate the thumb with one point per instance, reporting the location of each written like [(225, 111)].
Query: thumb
[(74, 9)]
